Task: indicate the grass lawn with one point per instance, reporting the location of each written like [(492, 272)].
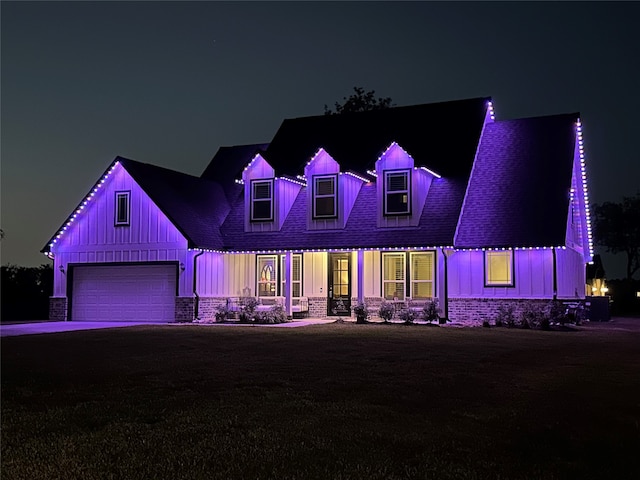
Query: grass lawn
[(339, 401)]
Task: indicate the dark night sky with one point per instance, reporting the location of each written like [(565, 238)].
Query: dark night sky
[(169, 83)]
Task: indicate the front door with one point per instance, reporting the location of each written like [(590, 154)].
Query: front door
[(339, 298)]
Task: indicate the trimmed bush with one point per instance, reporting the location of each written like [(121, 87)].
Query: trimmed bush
[(505, 316), (386, 311), (431, 311), (407, 315)]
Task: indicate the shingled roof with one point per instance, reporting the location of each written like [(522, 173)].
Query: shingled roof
[(227, 164), (518, 194), (196, 206), (515, 195), (436, 227), (442, 136)]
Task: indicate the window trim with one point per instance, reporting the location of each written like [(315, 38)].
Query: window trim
[(253, 200), (433, 273), (385, 193), (487, 282), (126, 194), (282, 280), (382, 274), (274, 281), (314, 195)]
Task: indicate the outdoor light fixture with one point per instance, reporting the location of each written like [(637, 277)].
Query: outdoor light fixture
[(182, 266), (61, 268)]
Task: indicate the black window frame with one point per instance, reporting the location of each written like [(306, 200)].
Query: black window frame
[(252, 200), (386, 193), (314, 214), (117, 221), (512, 268)]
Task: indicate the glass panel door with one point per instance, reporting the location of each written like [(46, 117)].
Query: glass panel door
[(339, 282)]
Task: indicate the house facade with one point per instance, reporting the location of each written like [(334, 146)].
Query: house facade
[(437, 201)]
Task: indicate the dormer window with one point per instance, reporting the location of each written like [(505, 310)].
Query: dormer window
[(324, 196), (397, 192), (122, 209), (261, 200)]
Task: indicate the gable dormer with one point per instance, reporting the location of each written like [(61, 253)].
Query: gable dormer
[(330, 193), (267, 199), (402, 188)]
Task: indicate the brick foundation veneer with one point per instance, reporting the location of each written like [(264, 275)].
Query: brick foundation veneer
[(208, 306), (477, 310), (185, 309), (58, 308), (317, 307)]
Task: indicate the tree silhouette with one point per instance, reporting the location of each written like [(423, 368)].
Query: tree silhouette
[(360, 101), (617, 228)]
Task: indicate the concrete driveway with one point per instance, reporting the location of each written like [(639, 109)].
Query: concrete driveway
[(34, 328)]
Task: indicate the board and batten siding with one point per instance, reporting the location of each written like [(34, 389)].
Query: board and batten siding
[(396, 158), (283, 196), (94, 238), (533, 275), (347, 189), (225, 275), (571, 273)]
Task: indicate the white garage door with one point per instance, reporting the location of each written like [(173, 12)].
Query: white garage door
[(142, 293)]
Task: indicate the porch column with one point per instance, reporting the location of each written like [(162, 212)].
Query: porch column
[(288, 275), (360, 276)]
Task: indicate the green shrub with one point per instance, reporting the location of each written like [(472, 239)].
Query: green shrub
[(407, 315), (222, 312), (532, 315), (431, 310), (386, 311), (505, 316), (361, 312)]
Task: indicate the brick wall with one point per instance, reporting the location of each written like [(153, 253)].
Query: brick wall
[(185, 309), (208, 306), (317, 307), (58, 308), (477, 310)]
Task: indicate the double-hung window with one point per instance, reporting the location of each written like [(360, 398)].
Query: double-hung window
[(324, 196), (397, 192), (267, 275), (422, 273), (393, 276), (122, 208), (498, 268), (296, 279), (261, 200)]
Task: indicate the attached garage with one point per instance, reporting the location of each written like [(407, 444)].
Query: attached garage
[(142, 293)]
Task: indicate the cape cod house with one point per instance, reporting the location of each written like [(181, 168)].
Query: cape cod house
[(404, 204)]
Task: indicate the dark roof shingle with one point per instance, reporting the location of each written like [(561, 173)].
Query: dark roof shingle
[(518, 194)]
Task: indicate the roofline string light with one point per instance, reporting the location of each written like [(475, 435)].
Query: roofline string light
[(431, 172), (375, 249), (82, 205), (585, 192), (491, 111)]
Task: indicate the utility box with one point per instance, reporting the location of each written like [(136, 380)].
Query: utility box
[(598, 308)]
